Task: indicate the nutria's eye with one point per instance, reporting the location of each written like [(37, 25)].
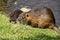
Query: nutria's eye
[(27, 15)]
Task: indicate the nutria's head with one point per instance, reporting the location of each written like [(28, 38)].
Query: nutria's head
[(14, 15), (24, 18)]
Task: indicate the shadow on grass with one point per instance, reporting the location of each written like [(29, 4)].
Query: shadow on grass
[(36, 37), (4, 39), (42, 37)]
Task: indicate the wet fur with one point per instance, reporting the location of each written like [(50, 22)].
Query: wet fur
[(39, 17)]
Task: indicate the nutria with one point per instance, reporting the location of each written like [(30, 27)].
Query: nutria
[(39, 17), (14, 15)]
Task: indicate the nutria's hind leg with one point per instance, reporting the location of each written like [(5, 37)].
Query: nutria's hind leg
[(51, 27), (35, 25), (40, 26)]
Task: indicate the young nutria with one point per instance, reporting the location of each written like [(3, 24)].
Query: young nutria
[(14, 15), (39, 17)]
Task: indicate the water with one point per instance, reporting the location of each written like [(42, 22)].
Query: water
[(53, 4)]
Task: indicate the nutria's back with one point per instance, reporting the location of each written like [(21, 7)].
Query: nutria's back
[(42, 12)]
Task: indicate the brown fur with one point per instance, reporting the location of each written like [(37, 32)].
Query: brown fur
[(40, 17)]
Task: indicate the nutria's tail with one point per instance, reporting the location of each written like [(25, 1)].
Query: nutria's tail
[(56, 29)]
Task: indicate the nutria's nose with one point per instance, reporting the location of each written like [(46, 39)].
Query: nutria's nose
[(10, 21)]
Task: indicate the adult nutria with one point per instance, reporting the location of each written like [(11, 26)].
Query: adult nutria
[(39, 17), (14, 15)]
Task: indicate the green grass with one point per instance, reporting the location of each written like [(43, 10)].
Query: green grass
[(10, 31)]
